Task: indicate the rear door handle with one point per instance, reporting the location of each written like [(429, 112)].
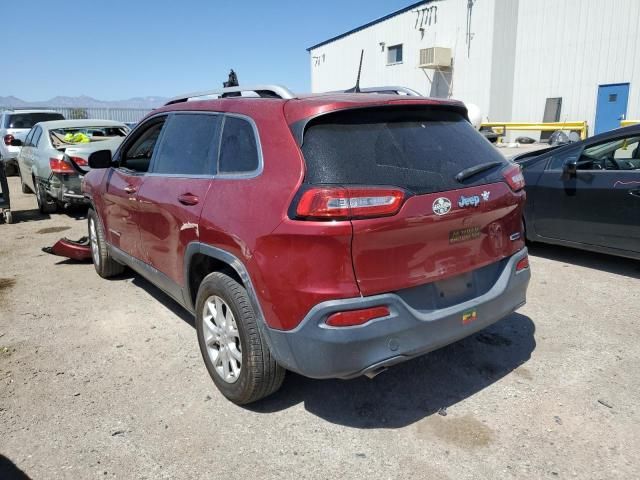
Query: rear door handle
[(188, 199), (130, 189)]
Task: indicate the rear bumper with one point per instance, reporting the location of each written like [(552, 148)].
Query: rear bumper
[(315, 350), (67, 188)]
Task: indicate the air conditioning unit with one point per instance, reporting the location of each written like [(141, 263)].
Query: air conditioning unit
[(435, 57)]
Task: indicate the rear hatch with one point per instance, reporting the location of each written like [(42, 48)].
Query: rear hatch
[(408, 179)]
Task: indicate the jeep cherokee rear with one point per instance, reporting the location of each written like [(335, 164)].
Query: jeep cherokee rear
[(330, 235)]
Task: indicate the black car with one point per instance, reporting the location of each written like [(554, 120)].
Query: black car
[(586, 194)]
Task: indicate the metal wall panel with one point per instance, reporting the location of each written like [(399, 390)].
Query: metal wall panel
[(522, 52), (334, 66), (566, 49)]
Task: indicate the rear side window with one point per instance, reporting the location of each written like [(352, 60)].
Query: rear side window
[(239, 148), (28, 120), (36, 136), (189, 145), (27, 141), (418, 149)]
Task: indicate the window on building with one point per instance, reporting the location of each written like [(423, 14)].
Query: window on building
[(394, 54)]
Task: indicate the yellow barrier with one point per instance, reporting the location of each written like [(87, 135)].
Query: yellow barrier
[(582, 127), (626, 123)]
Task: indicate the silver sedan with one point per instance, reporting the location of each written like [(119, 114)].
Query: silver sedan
[(43, 159)]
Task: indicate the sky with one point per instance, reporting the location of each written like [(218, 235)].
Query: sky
[(136, 48)]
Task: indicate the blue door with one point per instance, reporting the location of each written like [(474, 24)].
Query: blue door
[(612, 106)]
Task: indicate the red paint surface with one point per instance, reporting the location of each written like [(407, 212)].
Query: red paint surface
[(166, 225), (412, 247)]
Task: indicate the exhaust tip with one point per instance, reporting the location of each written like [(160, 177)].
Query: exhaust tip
[(375, 372)]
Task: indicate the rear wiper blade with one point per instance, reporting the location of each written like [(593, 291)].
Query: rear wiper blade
[(476, 169)]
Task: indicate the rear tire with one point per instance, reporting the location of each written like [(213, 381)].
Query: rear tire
[(45, 204), (105, 266), (222, 301)]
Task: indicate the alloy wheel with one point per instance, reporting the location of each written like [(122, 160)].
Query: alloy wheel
[(93, 238), (222, 339)]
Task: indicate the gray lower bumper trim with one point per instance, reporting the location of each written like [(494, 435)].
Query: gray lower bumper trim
[(315, 350)]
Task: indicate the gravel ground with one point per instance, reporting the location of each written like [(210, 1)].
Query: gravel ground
[(103, 379)]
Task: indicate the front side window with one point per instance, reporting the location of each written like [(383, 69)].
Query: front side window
[(239, 148), (136, 156), (619, 154), (394, 54), (189, 145), (559, 160)]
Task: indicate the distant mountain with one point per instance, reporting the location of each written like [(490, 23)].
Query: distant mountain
[(85, 101)]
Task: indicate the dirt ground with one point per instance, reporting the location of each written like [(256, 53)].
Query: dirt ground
[(103, 379)]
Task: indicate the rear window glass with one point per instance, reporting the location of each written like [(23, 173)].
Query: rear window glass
[(28, 120), (420, 150), (63, 137), (188, 145)]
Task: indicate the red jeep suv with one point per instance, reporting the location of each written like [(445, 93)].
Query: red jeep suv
[(333, 235)]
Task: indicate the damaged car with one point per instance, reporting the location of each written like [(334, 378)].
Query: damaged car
[(333, 236), (44, 160)]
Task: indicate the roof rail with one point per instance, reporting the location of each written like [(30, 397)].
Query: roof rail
[(393, 90), (263, 91)]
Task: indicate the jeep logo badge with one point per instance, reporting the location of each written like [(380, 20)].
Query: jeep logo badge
[(441, 206)]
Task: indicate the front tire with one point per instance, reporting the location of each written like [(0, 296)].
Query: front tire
[(232, 346), (105, 266)]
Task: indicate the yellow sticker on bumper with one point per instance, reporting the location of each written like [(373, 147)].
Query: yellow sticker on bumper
[(470, 316)]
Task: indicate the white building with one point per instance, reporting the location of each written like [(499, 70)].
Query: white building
[(518, 60)]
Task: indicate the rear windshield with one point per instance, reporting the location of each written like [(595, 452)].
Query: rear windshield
[(420, 150), (28, 120), (62, 137)]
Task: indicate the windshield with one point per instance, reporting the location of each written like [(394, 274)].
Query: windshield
[(61, 137), (28, 120), (420, 150)]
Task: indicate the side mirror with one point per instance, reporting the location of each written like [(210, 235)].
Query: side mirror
[(100, 159), (16, 142), (570, 168)]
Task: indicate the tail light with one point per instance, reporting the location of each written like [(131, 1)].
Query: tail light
[(522, 264), (80, 161), (352, 318), (513, 176), (333, 203), (8, 139), (58, 165)]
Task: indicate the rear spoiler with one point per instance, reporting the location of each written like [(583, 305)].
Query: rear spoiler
[(300, 126)]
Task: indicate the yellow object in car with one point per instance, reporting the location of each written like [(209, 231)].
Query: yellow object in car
[(76, 138)]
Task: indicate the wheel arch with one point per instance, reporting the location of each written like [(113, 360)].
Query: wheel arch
[(200, 260)]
